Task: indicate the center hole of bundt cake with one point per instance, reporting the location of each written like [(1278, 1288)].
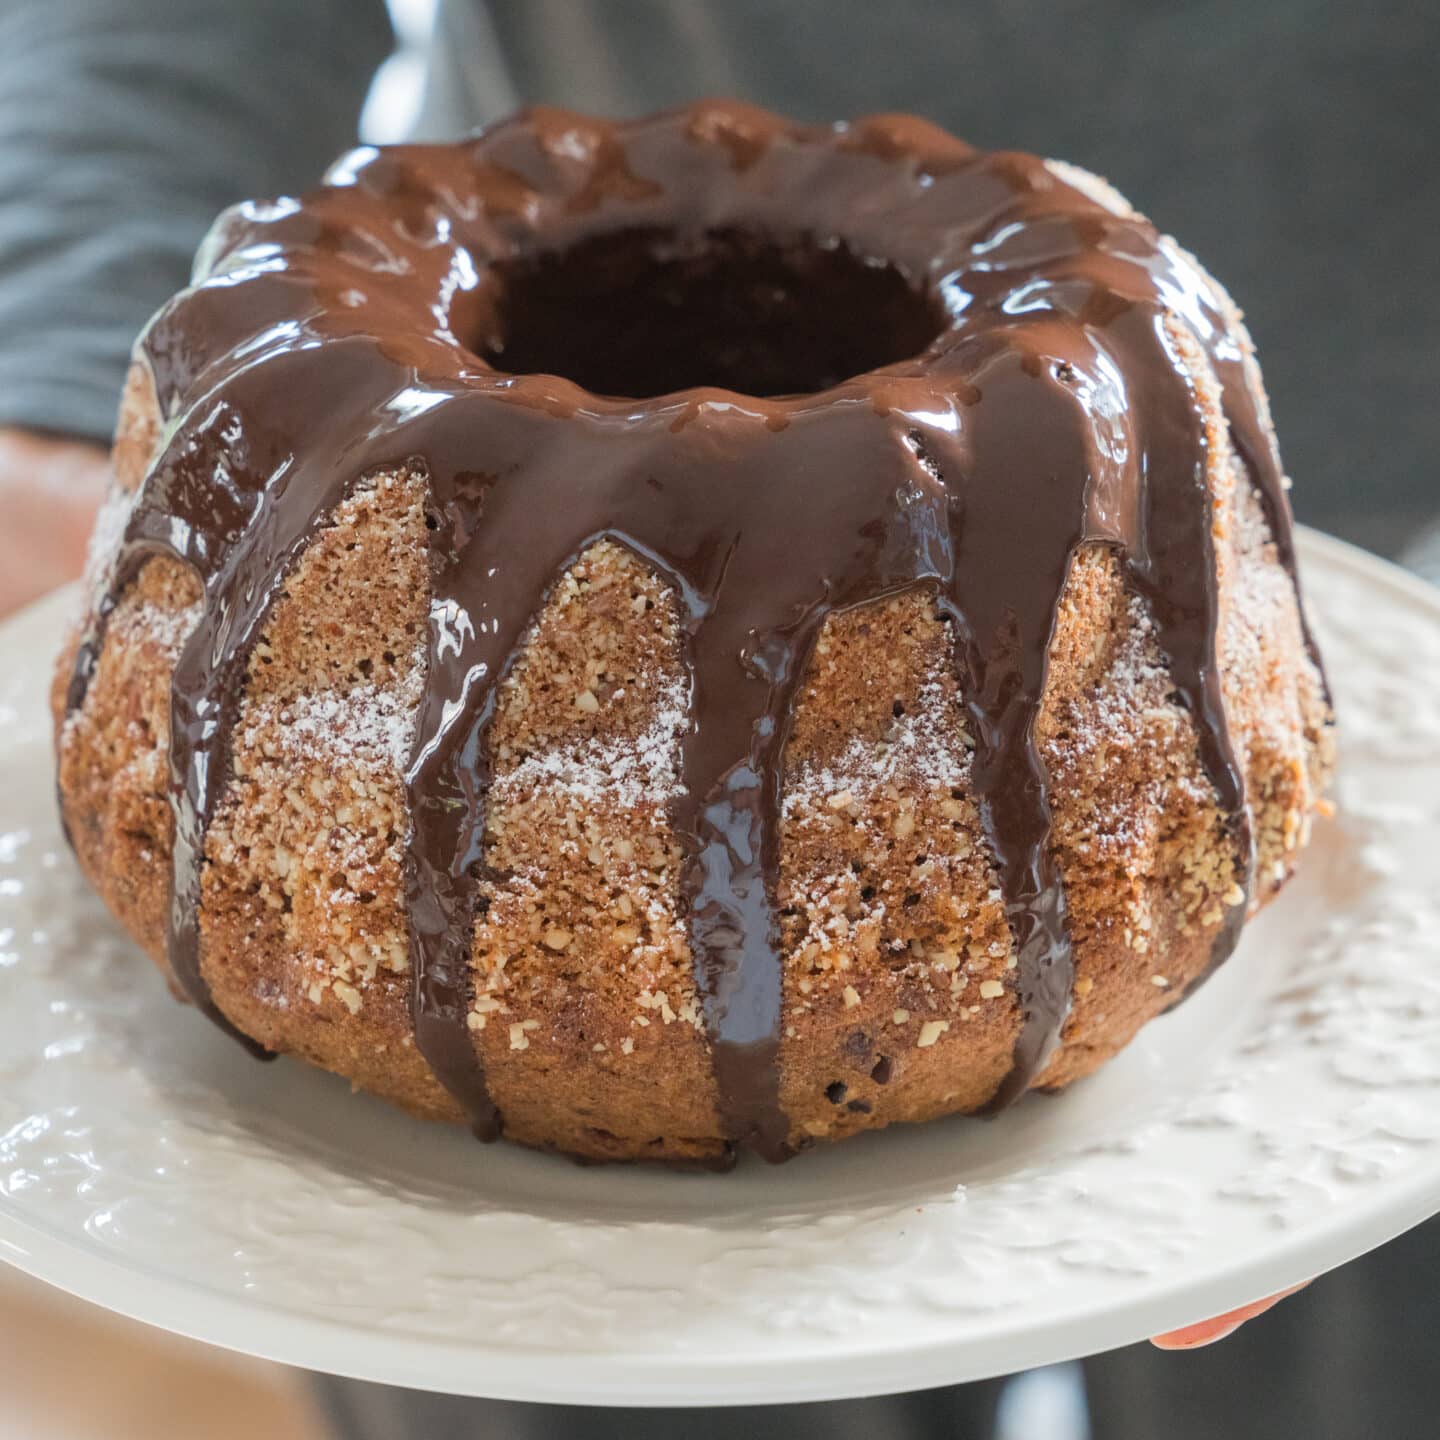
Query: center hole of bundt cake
[(640, 313)]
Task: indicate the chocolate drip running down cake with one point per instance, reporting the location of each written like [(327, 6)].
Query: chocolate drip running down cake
[(690, 635)]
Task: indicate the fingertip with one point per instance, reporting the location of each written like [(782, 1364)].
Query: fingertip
[(1207, 1332), (1196, 1337)]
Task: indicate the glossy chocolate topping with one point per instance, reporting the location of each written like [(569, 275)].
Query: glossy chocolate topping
[(573, 327)]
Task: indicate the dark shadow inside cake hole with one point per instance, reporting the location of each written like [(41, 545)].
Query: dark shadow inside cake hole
[(645, 312)]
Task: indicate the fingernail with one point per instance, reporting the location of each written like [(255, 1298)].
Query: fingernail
[(1207, 1337)]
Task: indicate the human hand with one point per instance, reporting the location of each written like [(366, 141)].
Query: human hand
[(1207, 1332), (50, 489)]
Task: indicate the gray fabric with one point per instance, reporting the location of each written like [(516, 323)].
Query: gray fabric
[(125, 125)]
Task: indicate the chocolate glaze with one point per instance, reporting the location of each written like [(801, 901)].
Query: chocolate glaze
[(1020, 395)]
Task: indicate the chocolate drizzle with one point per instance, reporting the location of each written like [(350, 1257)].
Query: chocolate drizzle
[(1025, 397)]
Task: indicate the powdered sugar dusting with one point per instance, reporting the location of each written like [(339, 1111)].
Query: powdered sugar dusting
[(366, 726), (622, 771), (1093, 187), (926, 748), (161, 626), (105, 540), (1261, 597), (1131, 695), (1127, 711)]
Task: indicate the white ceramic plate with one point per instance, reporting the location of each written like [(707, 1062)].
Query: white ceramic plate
[(1281, 1123)]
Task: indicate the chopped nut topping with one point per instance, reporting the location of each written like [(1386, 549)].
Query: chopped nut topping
[(518, 1038), (930, 1032), (852, 997), (349, 994), (1160, 981), (991, 989), (840, 800), (901, 1016)]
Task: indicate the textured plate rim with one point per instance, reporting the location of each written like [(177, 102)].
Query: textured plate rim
[(530, 1374), (834, 1369)]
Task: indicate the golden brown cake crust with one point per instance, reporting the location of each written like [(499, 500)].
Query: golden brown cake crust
[(899, 999), (895, 937)]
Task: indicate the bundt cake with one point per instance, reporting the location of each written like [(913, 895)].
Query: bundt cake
[(705, 633)]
